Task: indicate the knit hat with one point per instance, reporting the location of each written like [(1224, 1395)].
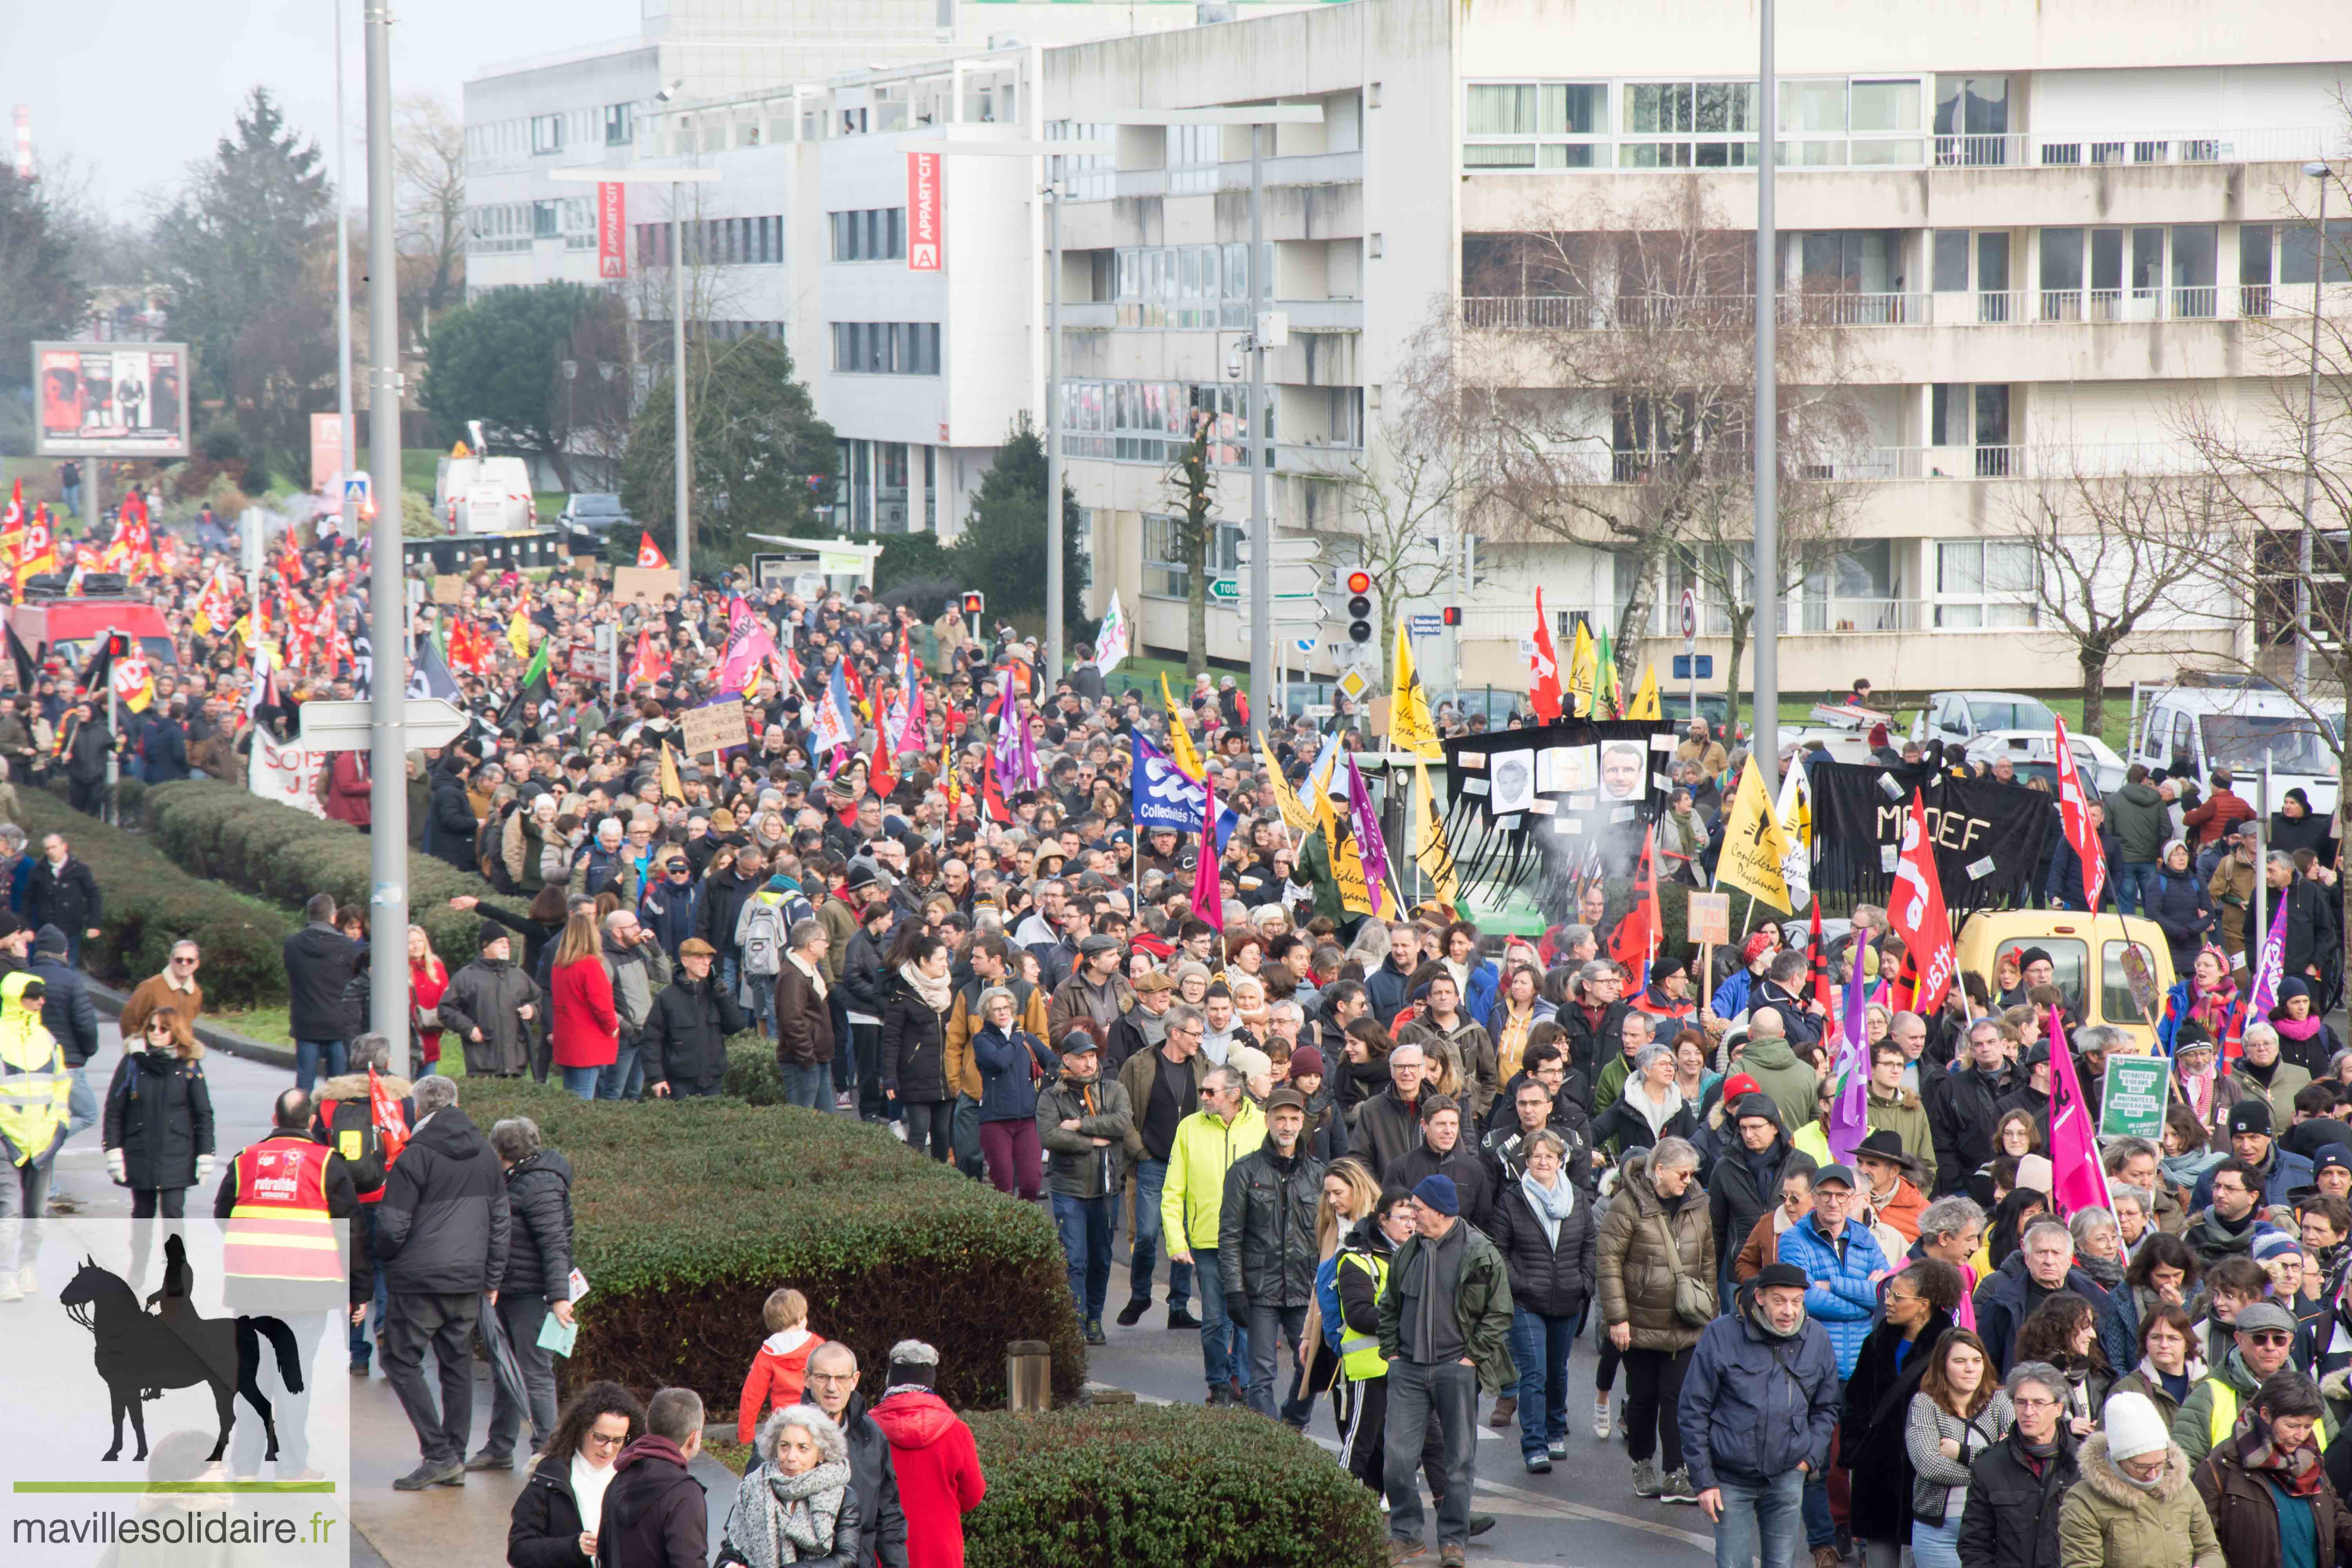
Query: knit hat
[(2273, 1244), (2133, 1427), (2033, 1174), (1437, 1193), (1249, 1061), (489, 933), (1306, 1061), (912, 1361), (1737, 1084), (2333, 1155), (1666, 968), (2250, 1116)]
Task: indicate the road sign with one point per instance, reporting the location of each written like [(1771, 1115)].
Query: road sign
[(1305, 644), (1288, 582), (355, 488), (1323, 711), (1288, 550), (1352, 684), (1690, 614), (1286, 611), (1427, 626), (431, 721), (1684, 661)]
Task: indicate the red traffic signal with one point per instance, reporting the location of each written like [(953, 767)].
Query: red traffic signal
[(974, 602), (1360, 581), (1452, 613), (118, 645)]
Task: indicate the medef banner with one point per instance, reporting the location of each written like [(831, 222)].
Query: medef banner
[(1987, 836)]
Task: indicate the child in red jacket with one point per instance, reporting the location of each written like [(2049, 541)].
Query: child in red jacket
[(782, 1366)]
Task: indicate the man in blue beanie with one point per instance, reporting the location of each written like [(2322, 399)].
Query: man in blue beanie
[(1445, 1328)]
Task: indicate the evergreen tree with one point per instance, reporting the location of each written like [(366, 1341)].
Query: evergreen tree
[(44, 280), (1001, 551), (757, 442), (496, 360)]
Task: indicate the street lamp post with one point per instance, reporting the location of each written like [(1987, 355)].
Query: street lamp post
[(2303, 550), (348, 446), (387, 596), (1765, 748), (681, 452)]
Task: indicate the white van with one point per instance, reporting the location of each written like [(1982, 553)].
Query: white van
[(484, 495), (2236, 727)]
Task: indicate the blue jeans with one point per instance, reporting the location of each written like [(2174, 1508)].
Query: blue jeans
[(2135, 886), (1417, 1393), (808, 1086), (1150, 1179), (1225, 1345), (81, 1103), (1084, 1224), (581, 1082), (1820, 1530), (624, 1077), (1539, 1345), (311, 1057), (1270, 1328), (1765, 1514), (1935, 1545)]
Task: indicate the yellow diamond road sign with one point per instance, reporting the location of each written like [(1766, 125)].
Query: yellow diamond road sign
[(1354, 683)]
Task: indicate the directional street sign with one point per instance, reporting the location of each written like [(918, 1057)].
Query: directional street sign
[(343, 726), (1289, 583), (1287, 551)]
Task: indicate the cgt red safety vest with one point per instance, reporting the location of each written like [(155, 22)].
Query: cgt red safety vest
[(279, 1228)]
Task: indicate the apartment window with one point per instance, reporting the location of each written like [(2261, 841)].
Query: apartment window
[(1192, 154), (1165, 573), (1972, 119), (1186, 287), (1857, 593), (885, 348), (620, 124), (1149, 421), (868, 234), (930, 489), (1560, 122), (1962, 417), (1698, 124), (2255, 265), (1091, 176), (2299, 249), (546, 220), (890, 487), (2196, 263), (1502, 110), (1982, 583), (547, 133)]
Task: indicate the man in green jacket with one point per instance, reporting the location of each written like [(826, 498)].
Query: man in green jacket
[(1445, 1328), (1227, 1128), (2264, 1336), (2141, 815)]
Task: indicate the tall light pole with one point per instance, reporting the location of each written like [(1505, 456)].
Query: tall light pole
[(387, 596), (349, 445), (1765, 746), (2303, 550), (681, 449)]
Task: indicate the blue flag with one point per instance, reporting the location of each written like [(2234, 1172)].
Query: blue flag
[(1162, 795)]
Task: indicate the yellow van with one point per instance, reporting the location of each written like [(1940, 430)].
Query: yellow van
[(2086, 954)]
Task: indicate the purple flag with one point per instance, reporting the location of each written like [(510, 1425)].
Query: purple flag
[(2270, 967), (1366, 826), (1015, 758), (1850, 1112)]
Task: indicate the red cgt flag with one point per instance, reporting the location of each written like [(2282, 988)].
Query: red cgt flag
[(649, 555), (2074, 810), (1917, 913), (1637, 936), (1543, 667)]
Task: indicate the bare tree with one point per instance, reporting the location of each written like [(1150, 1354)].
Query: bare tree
[(1604, 386), (1191, 487), (428, 162), (2108, 553)]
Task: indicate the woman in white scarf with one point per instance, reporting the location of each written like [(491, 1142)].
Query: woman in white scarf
[(1651, 1109), (1550, 1239), (797, 1504)]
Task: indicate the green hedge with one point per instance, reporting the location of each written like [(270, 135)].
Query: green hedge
[(150, 903), (689, 1214), (222, 831), (1164, 1487)]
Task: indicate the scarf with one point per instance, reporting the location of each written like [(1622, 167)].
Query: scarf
[(2212, 1009), (2107, 1271), (1757, 1315), (791, 1518), (2199, 1089), (2262, 1073), (937, 994), (1552, 1204), (815, 978), (1152, 1027), (2297, 1029), (2295, 1471)]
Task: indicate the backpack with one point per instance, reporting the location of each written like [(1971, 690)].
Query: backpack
[(764, 925), (1327, 1297)]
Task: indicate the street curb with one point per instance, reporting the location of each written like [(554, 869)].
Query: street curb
[(109, 1001)]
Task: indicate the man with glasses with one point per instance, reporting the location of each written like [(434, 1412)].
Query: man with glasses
[(2017, 1487), (2261, 1339), (1207, 1143), (832, 1387)]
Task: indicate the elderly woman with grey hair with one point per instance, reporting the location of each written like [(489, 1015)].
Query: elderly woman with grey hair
[(796, 1504), (1650, 1107), (1012, 1063), (537, 1282)]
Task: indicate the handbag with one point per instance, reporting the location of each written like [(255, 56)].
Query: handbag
[(1694, 1298)]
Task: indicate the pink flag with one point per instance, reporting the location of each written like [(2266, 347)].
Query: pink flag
[(1850, 1112), (1208, 897), (2077, 1179)]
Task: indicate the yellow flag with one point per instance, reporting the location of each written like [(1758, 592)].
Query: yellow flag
[(1295, 815), (1584, 673), (1411, 728), (519, 634), (1754, 846), (1429, 850), (1645, 696), (671, 788), (1347, 862), (1180, 740)]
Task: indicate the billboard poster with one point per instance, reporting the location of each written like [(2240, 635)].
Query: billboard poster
[(111, 400), (612, 230), (326, 449), (924, 242)]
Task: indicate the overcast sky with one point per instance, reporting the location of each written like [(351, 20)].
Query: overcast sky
[(133, 90)]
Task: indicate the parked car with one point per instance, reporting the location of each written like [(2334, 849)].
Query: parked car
[(588, 516), (2035, 755), (1956, 718)]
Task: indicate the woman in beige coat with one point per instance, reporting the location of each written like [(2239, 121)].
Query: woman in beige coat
[(1655, 1235), (2134, 1506)]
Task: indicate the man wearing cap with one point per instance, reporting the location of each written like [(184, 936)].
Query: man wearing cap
[(1669, 998), (488, 1006), (2279, 1173), (1841, 1260), (686, 1038), (1445, 1328), (1143, 1025), (2262, 1340), (1083, 1122), (1266, 1241), (1096, 991), (1745, 1182), (2042, 1265), (1749, 1437), (2331, 1173)]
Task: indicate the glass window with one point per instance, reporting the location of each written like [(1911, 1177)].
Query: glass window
[(1812, 106), (544, 220), (1501, 110), (1499, 155), (1959, 568), (1575, 108), (2194, 249), (620, 126), (1951, 263), (2299, 247), (2255, 253), (1658, 106), (2115, 1002), (1885, 106)]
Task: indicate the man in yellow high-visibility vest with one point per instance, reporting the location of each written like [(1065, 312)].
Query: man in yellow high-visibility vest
[(35, 1090), (2264, 1336)]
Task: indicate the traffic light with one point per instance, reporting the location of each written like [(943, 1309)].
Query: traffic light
[(1452, 615), (118, 645), (1360, 606)]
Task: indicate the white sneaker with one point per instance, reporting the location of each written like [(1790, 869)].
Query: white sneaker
[(1600, 1418), (28, 1279), (9, 1290)]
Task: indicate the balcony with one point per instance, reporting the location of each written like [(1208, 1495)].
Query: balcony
[(2008, 308), (1884, 465), (2075, 149)]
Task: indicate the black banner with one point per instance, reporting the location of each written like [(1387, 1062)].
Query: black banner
[(1990, 837), (1540, 807)]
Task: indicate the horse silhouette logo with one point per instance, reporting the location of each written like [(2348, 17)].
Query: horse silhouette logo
[(139, 1353)]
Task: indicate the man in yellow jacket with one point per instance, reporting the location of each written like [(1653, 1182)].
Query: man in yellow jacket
[(1226, 1128), (34, 1089)]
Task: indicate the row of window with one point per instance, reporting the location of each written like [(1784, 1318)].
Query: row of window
[(871, 485), (611, 125), (1201, 287), (885, 348), (1165, 573), (1149, 421), (868, 234), (716, 242), (512, 226)]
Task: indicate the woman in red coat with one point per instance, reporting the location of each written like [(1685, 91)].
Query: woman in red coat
[(586, 1029), (931, 1450)]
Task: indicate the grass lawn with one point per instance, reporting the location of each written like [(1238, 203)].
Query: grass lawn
[(270, 1025), (417, 466)]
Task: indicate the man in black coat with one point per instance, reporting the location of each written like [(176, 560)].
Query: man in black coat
[(1746, 1182), (2311, 933), (1265, 1229), (832, 1386), (656, 1514), (451, 812), (1385, 1127), (1443, 1152), (2010, 1519), (1961, 1107), (319, 963), (441, 1234), (164, 752), (62, 891), (85, 740), (686, 1038)]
